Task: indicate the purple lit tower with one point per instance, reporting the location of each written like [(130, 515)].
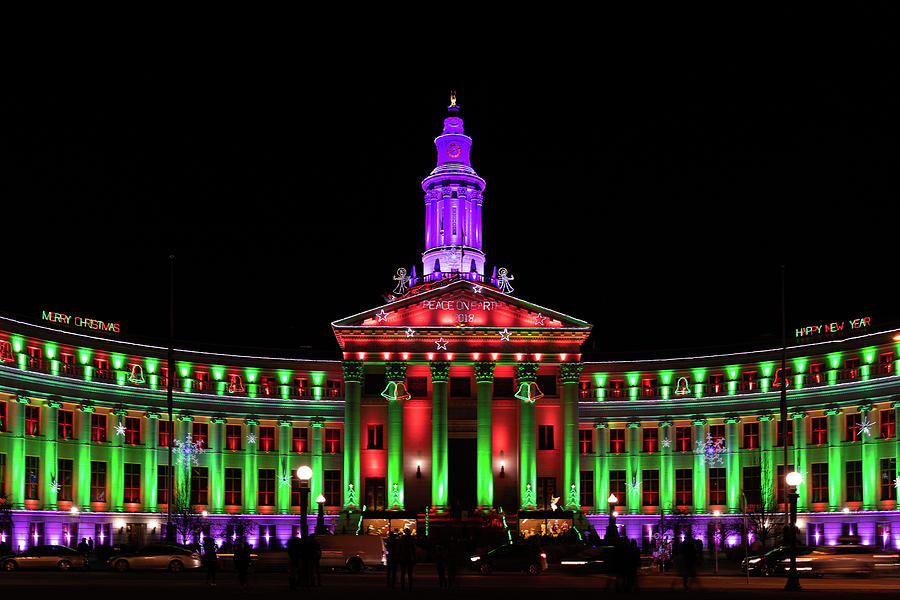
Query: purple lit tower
[(453, 197)]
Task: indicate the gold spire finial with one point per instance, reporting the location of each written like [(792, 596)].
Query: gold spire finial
[(453, 98)]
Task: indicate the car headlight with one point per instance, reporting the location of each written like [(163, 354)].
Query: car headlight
[(753, 561), (474, 558)]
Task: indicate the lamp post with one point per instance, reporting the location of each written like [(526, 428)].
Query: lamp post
[(611, 531), (304, 474), (793, 479), (320, 515)]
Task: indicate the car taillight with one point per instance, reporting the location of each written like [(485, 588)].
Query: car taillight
[(195, 556), (543, 555)]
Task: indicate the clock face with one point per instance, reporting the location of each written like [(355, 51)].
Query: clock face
[(453, 150)]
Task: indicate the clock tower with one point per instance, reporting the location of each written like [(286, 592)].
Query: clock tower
[(453, 197)]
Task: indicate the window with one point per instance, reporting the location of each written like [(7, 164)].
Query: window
[(98, 427), (65, 428), (300, 439), (547, 385), (717, 432), (202, 381), (417, 386), (98, 481), (651, 439), (546, 491), (332, 487), (854, 480), (268, 386), (818, 431), (650, 487), (32, 477), (781, 473), (67, 364), (266, 441), (586, 442), (133, 431), (886, 363), (683, 439), (295, 492), (779, 438), (200, 484), (162, 484), (749, 381), (888, 426), (504, 387), (266, 489), (852, 422), (586, 485), (132, 483), (616, 441), (233, 437), (819, 478), (717, 485), (545, 437), (200, 434), (163, 433), (333, 388), (617, 487), (616, 388), (301, 387), (716, 384), (684, 487), (232, 487), (64, 471), (889, 478), (2, 475), (332, 440), (373, 384), (851, 368), (376, 437), (753, 485), (2, 416), (460, 387), (817, 373), (751, 436), (32, 419), (375, 493)]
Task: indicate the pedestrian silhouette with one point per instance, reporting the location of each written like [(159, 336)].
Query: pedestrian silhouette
[(315, 555), (393, 555), (210, 560), (294, 550), (242, 561), (407, 559)]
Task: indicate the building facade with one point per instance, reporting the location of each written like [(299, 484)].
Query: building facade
[(454, 400)]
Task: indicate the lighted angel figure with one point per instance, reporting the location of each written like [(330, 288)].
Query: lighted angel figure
[(402, 280), (554, 500), (503, 279)]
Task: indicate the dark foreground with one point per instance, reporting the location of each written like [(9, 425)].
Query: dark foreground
[(164, 586)]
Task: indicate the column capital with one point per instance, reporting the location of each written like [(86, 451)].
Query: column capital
[(87, 406), (666, 422), (602, 424), (317, 422), (570, 372), (527, 371), (285, 421), (185, 417), (633, 424), (54, 403), (218, 419), (732, 419), (833, 410), (765, 417), (120, 411), (895, 404), (440, 371), (798, 414), (395, 370), (251, 420), (698, 421), (151, 414), (353, 371), (22, 399), (866, 407), (484, 371)]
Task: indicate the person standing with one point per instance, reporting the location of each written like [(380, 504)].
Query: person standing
[(242, 561), (315, 555), (294, 550), (407, 559), (393, 551), (440, 563), (210, 560)]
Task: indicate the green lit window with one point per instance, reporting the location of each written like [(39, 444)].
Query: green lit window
[(65, 427), (851, 427), (617, 487), (684, 487), (200, 485), (132, 483), (717, 486), (650, 487), (32, 477), (232, 487), (853, 480), (98, 481), (888, 424), (888, 478), (64, 470), (819, 482), (266, 487)]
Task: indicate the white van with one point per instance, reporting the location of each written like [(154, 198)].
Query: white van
[(354, 552)]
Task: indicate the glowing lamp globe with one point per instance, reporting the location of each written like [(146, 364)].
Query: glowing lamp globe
[(320, 499), (612, 499), (793, 478), (304, 473)]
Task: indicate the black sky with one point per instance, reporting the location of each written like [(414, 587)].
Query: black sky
[(652, 192)]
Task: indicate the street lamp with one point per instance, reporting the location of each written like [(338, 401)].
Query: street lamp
[(320, 516), (304, 474), (611, 531), (793, 479)]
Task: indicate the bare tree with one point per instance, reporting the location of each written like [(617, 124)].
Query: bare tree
[(764, 520), (6, 516)]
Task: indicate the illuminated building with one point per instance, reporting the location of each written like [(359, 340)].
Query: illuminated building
[(453, 389)]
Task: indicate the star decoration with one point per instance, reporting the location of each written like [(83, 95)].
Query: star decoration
[(540, 320), (251, 438), (504, 335), (410, 332), (633, 485), (441, 344), (120, 429), (54, 485), (477, 288), (382, 316), (865, 426), (284, 480)]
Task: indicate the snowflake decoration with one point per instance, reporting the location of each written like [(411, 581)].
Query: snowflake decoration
[(865, 426), (633, 485), (897, 483), (284, 480), (441, 344), (504, 335), (188, 450), (54, 485), (120, 429), (712, 450), (251, 438), (382, 316), (410, 332), (666, 442)]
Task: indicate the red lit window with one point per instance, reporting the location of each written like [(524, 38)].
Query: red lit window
[(332, 440), (888, 428), (101, 366), (545, 437), (684, 487), (266, 439), (717, 485), (32, 477), (35, 357), (2, 416), (751, 436), (132, 431), (851, 427), (98, 428), (202, 381), (851, 368), (266, 489), (585, 441), (650, 439), (616, 441), (66, 424), (886, 363), (98, 481), (233, 437), (749, 381), (779, 441), (818, 431), (333, 388), (300, 439), (64, 472), (302, 387), (32, 420), (717, 432), (232, 487), (817, 373), (163, 432), (235, 384), (650, 487), (683, 439), (268, 387), (716, 384), (200, 434), (6, 354), (67, 364), (648, 388), (819, 479), (375, 439), (132, 485), (584, 390), (616, 388)]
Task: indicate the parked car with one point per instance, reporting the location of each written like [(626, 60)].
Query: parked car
[(43, 557), (770, 563), (353, 552), (514, 557), (156, 556), (844, 559)]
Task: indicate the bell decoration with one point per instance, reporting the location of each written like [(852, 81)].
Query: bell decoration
[(236, 384), (780, 380), (681, 388), (395, 391), (529, 391), (137, 375)]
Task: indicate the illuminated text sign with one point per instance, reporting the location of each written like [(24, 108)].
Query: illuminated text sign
[(76, 321), (834, 327)]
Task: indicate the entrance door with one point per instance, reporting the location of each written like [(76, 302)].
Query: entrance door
[(375, 498), (137, 533), (461, 473)]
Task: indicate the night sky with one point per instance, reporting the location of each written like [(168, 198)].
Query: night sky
[(651, 192)]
